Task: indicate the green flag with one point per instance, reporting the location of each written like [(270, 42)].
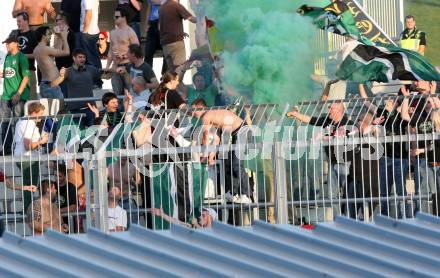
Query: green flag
[(335, 18), (383, 63)]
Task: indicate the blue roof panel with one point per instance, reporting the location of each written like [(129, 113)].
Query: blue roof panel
[(344, 248)]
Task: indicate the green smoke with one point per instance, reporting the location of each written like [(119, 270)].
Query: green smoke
[(268, 47)]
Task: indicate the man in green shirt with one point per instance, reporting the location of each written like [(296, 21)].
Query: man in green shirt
[(15, 88), (200, 90)]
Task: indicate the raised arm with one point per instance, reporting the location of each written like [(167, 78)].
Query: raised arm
[(295, 114), (136, 4), (60, 78), (12, 185), (65, 51), (18, 7), (364, 95), (192, 19), (109, 55), (327, 88), (405, 105)]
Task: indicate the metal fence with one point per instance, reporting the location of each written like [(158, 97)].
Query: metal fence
[(356, 157)]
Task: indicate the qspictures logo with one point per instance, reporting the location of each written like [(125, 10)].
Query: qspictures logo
[(9, 72)]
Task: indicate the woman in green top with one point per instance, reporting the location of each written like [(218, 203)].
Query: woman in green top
[(200, 90)]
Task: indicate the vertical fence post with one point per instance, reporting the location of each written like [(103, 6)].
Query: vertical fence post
[(98, 171), (279, 169)]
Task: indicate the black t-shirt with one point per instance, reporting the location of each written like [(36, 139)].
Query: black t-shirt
[(27, 43), (143, 70), (423, 125), (332, 129), (173, 101), (133, 14), (67, 196), (72, 9), (66, 61), (104, 55), (364, 169), (394, 126)]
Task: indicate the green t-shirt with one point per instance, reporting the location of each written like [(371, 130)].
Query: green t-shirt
[(208, 95), (16, 67)]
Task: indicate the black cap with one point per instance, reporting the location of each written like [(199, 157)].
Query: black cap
[(11, 38)]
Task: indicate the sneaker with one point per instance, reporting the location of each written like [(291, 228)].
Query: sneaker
[(243, 199)]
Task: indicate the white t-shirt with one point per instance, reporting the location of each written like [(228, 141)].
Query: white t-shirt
[(117, 217), (25, 129), (140, 101), (94, 6)]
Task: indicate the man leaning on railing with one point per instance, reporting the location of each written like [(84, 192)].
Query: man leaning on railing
[(28, 142), (337, 124)]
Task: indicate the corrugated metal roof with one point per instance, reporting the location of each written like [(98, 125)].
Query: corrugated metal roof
[(344, 248)]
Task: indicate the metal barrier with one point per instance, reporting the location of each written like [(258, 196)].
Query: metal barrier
[(158, 168)]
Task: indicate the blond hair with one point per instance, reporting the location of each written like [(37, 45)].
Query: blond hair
[(35, 107)]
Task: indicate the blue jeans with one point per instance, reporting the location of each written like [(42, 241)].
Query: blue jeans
[(46, 91), (394, 170), (130, 207), (9, 110), (136, 26), (424, 180), (353, 192), (338, 177), (153, 42)]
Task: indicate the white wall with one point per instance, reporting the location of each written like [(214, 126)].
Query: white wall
[(7, 25)]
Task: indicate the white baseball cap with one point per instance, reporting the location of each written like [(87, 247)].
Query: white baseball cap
[(211, 213)]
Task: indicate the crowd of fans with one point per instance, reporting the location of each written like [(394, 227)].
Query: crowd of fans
[(65, 61), (68, 59), (365, 171)]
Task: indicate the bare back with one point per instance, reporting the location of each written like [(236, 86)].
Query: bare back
[(43, 215), (120, 39), (35, 9), (46, 63), (223, 119)]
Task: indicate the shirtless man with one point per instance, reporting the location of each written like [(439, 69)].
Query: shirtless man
[(120, 38), (44, 55), (35, 9), (226, 121), (44, 214)]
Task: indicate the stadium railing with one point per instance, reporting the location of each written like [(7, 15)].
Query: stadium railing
[(297, 173)]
